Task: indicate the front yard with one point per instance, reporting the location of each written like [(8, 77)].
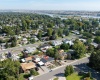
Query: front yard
[(75, 76)]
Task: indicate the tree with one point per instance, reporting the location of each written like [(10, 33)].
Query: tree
[(53, 37), (24, 25), (17, 30), (97, 33), (56, 54), (88, 41), (39, 34), (50, 52), (14, 42), (65, 46), (53, 53), (89, 74), (68, 70), (80, 49), (95, 23), (97, 39), (34, 72), (87, 35), (71, 69), (32, 40), (90, 48), (94, 60), (9, 30), (49, 32), (60, 32), (50, 25), (10, 70), (66, 32), (7, 45)]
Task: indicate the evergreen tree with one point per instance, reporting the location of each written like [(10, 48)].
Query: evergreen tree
[(80, 49), (68, 70), (7, 45)]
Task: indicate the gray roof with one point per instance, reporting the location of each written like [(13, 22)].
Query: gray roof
[(44, 45), (49, 59)]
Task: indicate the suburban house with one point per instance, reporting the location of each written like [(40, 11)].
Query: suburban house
[(27, 66), (70, 42), (46, 60), (2, 46), (83, 40), (98, 46), (28, 59), (36, 58), (56, 43), (30, 50), (35, 37), (60, 51), (45, 38), (24, 41), (94, 44), (44, 47), (15, 57), (2, 57), (62, 54), (40, 63), (76, 32), (26, 35)]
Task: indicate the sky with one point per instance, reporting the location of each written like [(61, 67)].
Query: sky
[(91, 5)]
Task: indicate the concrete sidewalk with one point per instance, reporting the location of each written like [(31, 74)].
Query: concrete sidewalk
[(59, 78)]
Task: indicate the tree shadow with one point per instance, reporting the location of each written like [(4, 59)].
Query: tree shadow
[(59, 75)]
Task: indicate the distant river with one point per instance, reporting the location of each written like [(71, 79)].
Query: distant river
[(62, 16)]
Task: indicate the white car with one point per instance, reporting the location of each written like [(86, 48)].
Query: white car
[(31, 78)]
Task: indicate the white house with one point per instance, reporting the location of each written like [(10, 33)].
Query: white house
[(70, 42), (15, 57), (83, 40), (94, 44), (36, 39), (30, 49), (76, 32), (24, 41), (56, 43), (2, 57), (44, 47), (19, 37)]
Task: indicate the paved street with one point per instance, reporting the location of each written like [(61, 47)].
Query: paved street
[(35, 44), (85, 68), (20, 48), (60, 71)]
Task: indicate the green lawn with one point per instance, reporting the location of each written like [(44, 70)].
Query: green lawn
[(74, 76), (55, 79)]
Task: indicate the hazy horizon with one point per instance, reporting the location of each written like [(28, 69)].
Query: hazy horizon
[(73, 5)]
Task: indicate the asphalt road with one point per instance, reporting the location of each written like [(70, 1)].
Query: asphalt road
[(35, 44), (81, 64), (58, 71), (85, 68)]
